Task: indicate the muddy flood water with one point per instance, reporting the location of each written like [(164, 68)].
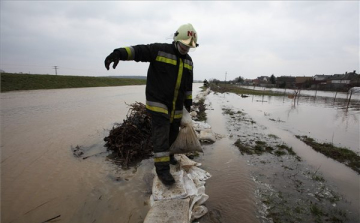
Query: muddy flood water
[(41, 179)]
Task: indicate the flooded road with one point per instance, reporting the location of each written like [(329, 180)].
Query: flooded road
[(230, 189), (41, 179)]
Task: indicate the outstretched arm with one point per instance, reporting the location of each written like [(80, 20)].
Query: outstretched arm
[(138, 53)]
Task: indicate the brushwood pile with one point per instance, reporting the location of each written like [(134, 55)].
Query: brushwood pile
[(130, 141)]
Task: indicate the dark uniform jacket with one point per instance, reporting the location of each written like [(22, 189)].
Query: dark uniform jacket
[(169, 77)]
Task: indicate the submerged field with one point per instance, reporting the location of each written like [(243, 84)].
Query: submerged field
[(289, 188)]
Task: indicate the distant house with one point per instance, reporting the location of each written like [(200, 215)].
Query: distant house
[(263, 81), (343, 81), (248, 82), (321, 77), (300, 82), (285, 82), (341, 78)]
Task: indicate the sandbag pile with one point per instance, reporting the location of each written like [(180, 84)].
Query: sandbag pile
[(202, 95), (198, 106), (182, 202)]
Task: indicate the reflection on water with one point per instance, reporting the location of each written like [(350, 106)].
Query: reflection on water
[(322, 117), (40, 177), (319, 119), (313, 93), (230, 189)]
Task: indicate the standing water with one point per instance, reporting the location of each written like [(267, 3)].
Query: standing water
[(41, 179), (326, 120)]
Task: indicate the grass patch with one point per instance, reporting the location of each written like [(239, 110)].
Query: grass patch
[(260, 142), (280, 153), (243, 148), (15, 82), (262, 147), (318, 178), (316, 211), (258, 149), (288, 149), (273, 136), (269, 149), (201, 115), (342, 155), (228, 111)]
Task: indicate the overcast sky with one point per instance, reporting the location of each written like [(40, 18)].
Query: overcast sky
[(248, 39)]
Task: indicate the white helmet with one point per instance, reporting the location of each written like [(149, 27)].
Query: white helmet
[(187, 35)]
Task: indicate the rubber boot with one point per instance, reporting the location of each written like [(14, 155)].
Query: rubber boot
[(163, 172), (173, 161)]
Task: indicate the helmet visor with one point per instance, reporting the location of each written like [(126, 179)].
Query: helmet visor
[(189, 42)]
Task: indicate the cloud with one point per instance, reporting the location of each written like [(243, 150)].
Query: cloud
[(242, 38)]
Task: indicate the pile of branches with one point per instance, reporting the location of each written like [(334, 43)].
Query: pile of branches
[(131, 140)]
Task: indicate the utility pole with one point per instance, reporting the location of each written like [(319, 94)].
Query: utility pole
[(225, 76), (56, 67)]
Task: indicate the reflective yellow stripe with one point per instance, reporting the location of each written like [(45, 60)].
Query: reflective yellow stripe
[(130, 55), (178, 82), (162, 159), (188, 95), (166, 60), (177, 116), (188, 66), (157, 109)]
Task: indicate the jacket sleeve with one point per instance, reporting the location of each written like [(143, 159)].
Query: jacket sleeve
[(139, 53), (188, 90)]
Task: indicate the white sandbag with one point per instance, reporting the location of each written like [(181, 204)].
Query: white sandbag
[(197, 200), (169, 211), (185, 162), (197, 173), (201, 190), (151, 201), (198, 212), (189, 185), (186, 141), (203, 198), (193, 114), (198, 182), (177, 190), (186, 118), (207, 135), (198, 126)]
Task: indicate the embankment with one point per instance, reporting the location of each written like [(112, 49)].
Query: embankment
[(16, 82)]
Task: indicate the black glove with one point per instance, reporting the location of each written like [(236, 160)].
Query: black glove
[(113, 57)]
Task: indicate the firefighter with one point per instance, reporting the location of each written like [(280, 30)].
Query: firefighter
[(168, 90)]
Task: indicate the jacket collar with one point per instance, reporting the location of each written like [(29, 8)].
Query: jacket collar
[(178, 54)]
